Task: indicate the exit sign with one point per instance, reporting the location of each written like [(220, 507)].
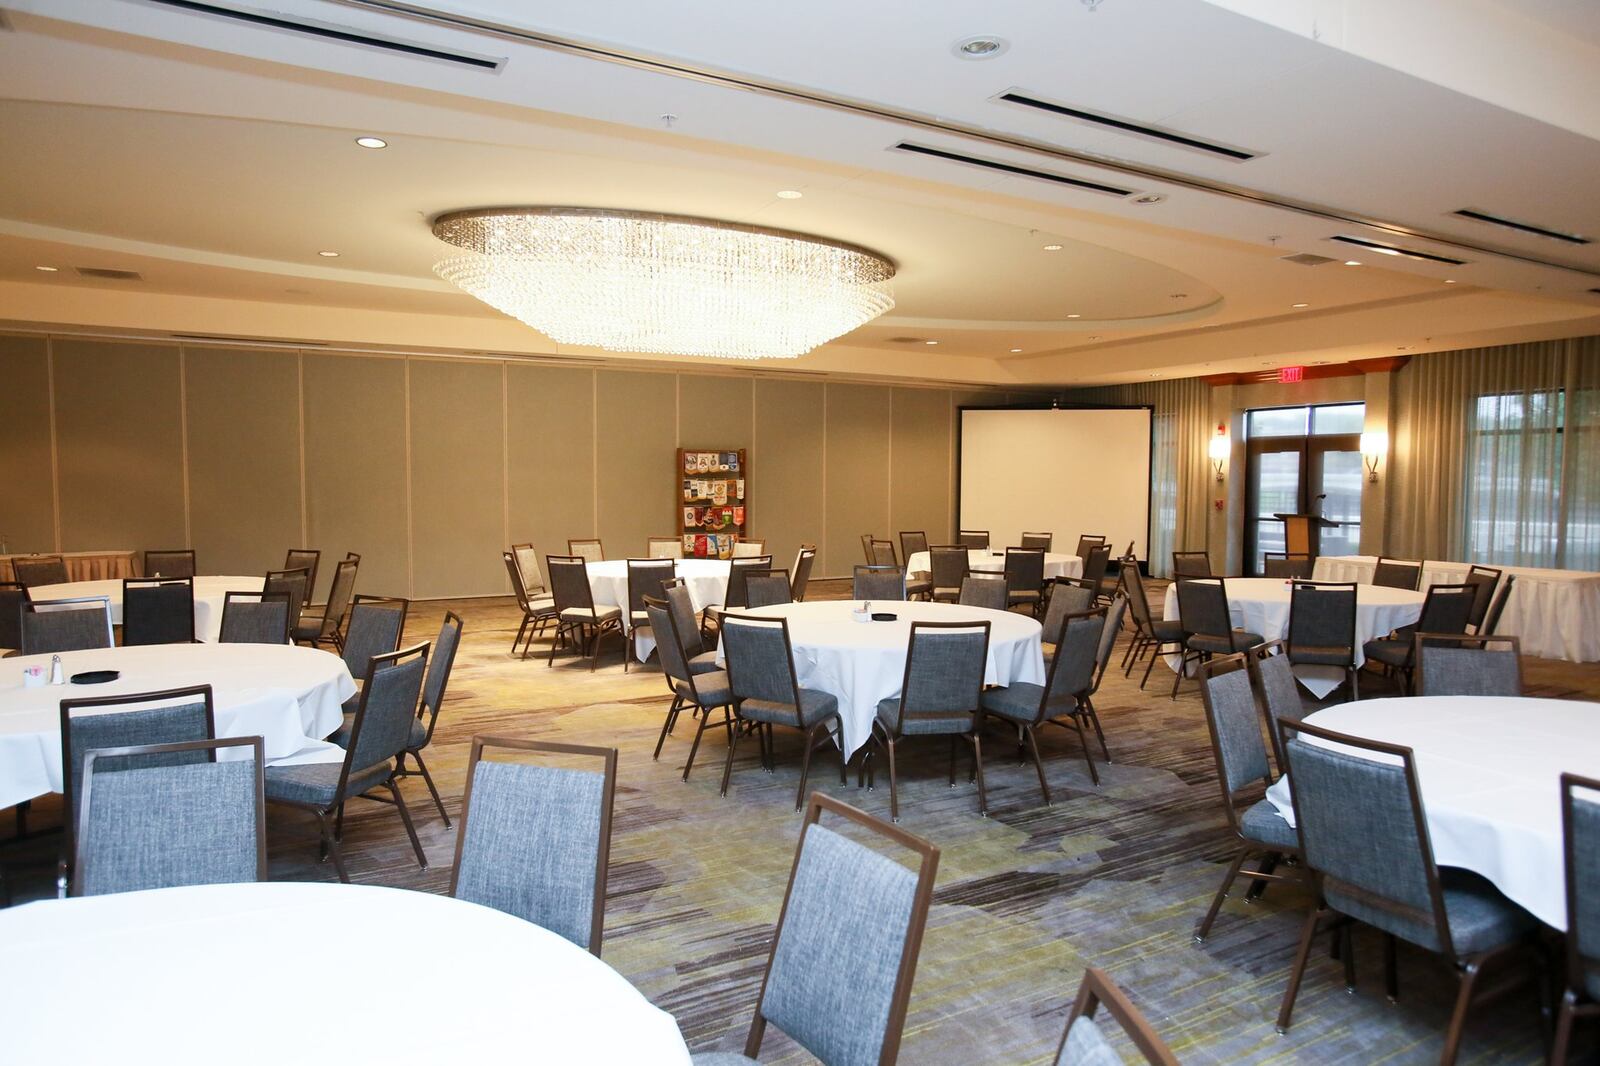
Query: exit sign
[(1290, 374)]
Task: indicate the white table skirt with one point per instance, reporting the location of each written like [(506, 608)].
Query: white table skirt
[(289, 696), (1261, 605), (861, 663), (1555, 613), (707, 580), (219, 973), (1489, 768), (1056, 564), (209, 593)]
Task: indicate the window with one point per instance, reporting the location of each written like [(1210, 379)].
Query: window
[(1303, 460), (1517, 506)]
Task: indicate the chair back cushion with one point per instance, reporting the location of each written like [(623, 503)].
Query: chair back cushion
[(912, 542), (673, 661), (157, 613), (1230, 705), (256, 621), (944, 670), (757, 653), (1447, 609), (44, 570), (1066, 597), (763, 588), (374, 629), (173, 724), (682, 607), (569, 581), (878, 583), (1322, 617), (645, 578), (1072, 670), (441, 660), (1203, 607), (382, 728), (74, 628), (1024, 569), (983, 590), (802, 573), (738, 571), (948, 566), (1583, 881), (1452, 670)]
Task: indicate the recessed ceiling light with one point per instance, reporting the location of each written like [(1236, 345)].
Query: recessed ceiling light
[(1404, 347), (1299, 305), (1449, 281), (1352, 262), (329, 255), (1149, 198), (983, 46), (47, 270), (372, 142), (1178, 296), (1094, 336), (789, 194), (1014, 351), (930, 342), (1052, 247)]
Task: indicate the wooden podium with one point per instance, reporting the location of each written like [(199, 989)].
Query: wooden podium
[(1302, 532)]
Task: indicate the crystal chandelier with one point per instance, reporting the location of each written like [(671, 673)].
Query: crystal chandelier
[(630, 281)]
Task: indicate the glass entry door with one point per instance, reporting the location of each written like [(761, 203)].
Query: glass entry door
[(1303, 460), (1277, 486)]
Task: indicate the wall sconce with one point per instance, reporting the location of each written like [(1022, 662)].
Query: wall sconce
[(1219, 450), (1374, 446)]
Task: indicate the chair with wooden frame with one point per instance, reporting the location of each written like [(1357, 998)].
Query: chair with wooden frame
[(866, 548), (949, 565), (1580, 832), (765, 692), (535, 840), (748, 549), (330, 626), (306, 559), (577, 615), (737, 594), (1190, 564), (1394, 574), (702, 690), (857, 1013), (1287, 565), (1024, 571), (1116, 610), (14, 600), (878, 583), (1277, 689), (176, 816), (376, 627), (379, 733), (440, 663), (79, 623), (1484, 579), (1455, 664), (664, 547), (1229, 697), (1491, 621), (1445, 610), (883, 554), (528, 565), (296, 585), (1150, 635), (1068, 595), (1364, 837), (1095, 565), (912, 541), (590, 550), (646, 577), (765, 588), (702, 660), (1042, 541), (172, 562), (940, 696), (256, 618), (157, 611), (32, 570), (1083, 1044), (536, 613), (1062, 698), (1207, 624), (170, 716), (983, 590), (803, 560), (973, 539), (1322, 627), (1088, 542)]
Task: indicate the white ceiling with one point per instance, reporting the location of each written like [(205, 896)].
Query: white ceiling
[(217, 159)]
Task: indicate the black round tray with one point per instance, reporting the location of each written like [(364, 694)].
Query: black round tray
[(884, 616), (95, 677)]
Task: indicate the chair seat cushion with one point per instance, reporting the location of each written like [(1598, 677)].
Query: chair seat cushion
[(1023, 596), (1322, 655), (704, 663), (889, 710), (941, 592), (1221, 645), (341, 737), (317, 784), (712, 687), (1167, 631), (721, 1058), (591, 614), (1391, 652), (1480, 917), (814, 707), (918, 585), (1262, 824), (1019, 701)]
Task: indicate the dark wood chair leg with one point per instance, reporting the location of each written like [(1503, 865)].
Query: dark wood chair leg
[(1391, 971), (977, 772), (667, 724), (405, 817), (894, 783), (1347, 951), (1458, 1017), (705, 720), (1083, 739), (1563, 1040), (733, 746), (805, 767), (330, 847), (1298, 971), (1038, 763), (1222, 894), (427, 779)]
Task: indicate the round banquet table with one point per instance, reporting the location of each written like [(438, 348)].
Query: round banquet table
[(1490, 772), (287, 695), (707, 580), (1056, 564), (1261, 605), (861, 663), (219, 973), (209, 592)]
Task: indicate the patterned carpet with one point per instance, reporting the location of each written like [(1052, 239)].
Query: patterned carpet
[(1116, 876)]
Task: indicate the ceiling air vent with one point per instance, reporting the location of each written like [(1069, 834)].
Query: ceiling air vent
[(109, 274), (1395, 249), (905, 340), (1011, 168), (1520, 227), (331, 32), (1128, 126), (1307, 259)]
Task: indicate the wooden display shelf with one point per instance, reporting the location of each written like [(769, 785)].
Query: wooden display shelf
[(713, 485)]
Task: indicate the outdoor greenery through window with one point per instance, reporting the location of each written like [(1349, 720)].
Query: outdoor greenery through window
[(1304, 460)]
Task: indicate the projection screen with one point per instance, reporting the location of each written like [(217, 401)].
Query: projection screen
[(1068, 471)]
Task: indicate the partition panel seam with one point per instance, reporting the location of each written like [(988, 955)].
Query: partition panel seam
[(300, 410), (411, 551), (55, 458), (183, 443)]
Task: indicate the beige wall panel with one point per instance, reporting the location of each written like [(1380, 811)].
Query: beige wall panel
[(119, 439), (243, 409), (355, 412), (857, 472), (786, 493), (636, 435), (457, 479), (551, 442), (27, 507), (715, 412), (919, 473)]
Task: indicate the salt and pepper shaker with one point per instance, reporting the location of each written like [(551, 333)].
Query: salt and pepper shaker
[(56, 677)]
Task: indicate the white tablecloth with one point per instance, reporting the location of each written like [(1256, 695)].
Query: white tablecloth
[(1555, 613), (1055, 563), (1261, 605), (864, 662), (707, 580), (241, 973), (209, 592), (1490, 770), (290, 696)]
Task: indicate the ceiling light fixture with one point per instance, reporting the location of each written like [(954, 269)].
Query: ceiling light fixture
[(980, 47), (789, 194), (1074, 316), (930, 342), (1352, 262), (1449, 281), (1297, 306), (329, 255), (47, 270), (372, 142), (633, 281), (1149, 198), (1014, 351), (1052, 247)]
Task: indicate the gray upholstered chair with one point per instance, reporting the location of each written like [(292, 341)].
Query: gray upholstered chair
[(766, 588), (537, 612), (866, 549), (14, 600), (590, 551), (434, 683), (983, 590), (646, 577), (883, 554), (1191, 564), (1207, 624), (844, 1015), (664, 548), (1278, 689), (306, 559), (1116, 610), (167, 815), (1151, 635), (1491, 621), (1391, 573), (177, 562), (329, 625), (1322, 627), (1095, 564), (135, 719), (535, 840), (878, 583), (803, 561), (296, 584), (1483, 579), (766, 692), (157, 611), (1042, 541), (376, 626), (256, 618), (1445, 611), (379, 732), (1024, 570), (748, 549), (1084, 1044), (80, 623), (973, 539), (1450, 664), (939, 696), (702, 660), (701, 690), (577, 615), (1364, 836), (1580, 825), (735, 599), (912, 541), (1287, 566), (34, 570), (949, 565), (1067, 596), (1087, 542), (1063, 698), (1243, 772)]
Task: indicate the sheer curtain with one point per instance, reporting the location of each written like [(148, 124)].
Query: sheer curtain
[(1178, 489), (1495, 456)]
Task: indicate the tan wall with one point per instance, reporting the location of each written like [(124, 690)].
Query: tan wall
[(429, 466)]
